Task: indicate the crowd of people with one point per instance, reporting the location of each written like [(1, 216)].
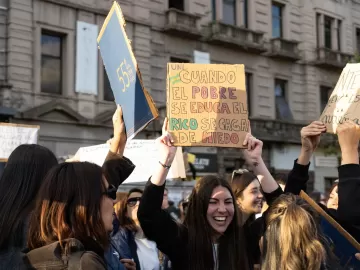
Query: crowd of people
[(68, 215)]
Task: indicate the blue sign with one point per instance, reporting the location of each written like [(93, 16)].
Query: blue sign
[(123, 73)]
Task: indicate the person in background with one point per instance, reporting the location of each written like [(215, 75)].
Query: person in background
[(333, 201), (171, 209), (19, 184), (292, 239), (348, 135), (211, 235), (318, 197), (73, 216), (250, 188)]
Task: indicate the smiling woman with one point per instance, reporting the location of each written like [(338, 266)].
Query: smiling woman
[(211, 236)]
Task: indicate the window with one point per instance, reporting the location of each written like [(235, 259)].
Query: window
[(177, 4), (178, 60), (248, 83), (325, 93), (338, 32), (277, 20), (108, 93), (327, 32), (246, 16), (283, 111), (229, 12), (358, 40), (51, 62)]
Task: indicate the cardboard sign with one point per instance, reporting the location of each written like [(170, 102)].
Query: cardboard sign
[(343, 245), (206, 104), (344, 101), (13, 135), (143, 153), (123, 73)]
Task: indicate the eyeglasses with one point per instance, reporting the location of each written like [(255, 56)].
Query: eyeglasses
[(238, 172), (111, 192), (133, 201)]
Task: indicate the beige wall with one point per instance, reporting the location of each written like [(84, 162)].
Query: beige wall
[(153, 48)]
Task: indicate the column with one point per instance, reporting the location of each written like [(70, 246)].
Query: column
[(239, 6), (320, 27), (334, 35)]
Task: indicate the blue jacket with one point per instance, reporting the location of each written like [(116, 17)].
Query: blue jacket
[(123, 240)]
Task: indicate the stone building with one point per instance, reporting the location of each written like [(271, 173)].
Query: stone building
[(293, 51)]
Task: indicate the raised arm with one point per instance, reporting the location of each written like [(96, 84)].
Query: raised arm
[(156, 223), (116, 167), (299, 175), (254, 159), (348, 212)]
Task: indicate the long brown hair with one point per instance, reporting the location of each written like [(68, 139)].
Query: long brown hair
[(231, 244), (125, 221), (240, 180), (293, 240), (68, 206)]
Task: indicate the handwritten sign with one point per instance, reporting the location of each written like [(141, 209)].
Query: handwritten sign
[(206, 104), (342, 244), (344, 102), (13, 135), (123, 73), (143, 153)]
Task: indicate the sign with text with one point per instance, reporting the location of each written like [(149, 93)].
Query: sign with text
[(206, 104), (143, 153), (342, 244), (343, 104), (123, 73), (13, 135)]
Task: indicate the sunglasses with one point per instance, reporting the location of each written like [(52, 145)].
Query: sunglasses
[(111, 192), (238, 172), (133, 201)]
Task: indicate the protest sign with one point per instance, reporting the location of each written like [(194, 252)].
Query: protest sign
[(143, 153), (123, 73), (13, 135), (206, 104), (342, 244), (343, 104)]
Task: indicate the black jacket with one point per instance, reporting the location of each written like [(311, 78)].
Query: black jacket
[(348, 212)]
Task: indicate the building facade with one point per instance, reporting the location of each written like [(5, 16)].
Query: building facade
[(293, 52)]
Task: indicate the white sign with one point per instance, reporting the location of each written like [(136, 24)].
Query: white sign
[(201, 57), (143, 153), (86, 58), (13, 135)]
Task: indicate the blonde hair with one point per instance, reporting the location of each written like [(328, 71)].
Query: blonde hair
[(293, 241)]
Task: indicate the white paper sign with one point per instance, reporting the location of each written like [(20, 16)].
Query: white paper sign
[(143, 153), (13, 135), (86, 58)]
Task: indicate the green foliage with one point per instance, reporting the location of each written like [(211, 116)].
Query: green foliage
[(356, 58)]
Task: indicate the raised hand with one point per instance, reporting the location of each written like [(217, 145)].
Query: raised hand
[(117, 144), (348, 136), (129, 264), (165, 145), (253, 151), (310, 136)]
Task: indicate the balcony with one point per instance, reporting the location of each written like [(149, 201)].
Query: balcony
[(235, 37), (331, 59), (284, 49), (181, 23), (276, 131)]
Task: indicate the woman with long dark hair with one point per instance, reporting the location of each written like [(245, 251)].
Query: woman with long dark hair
[(19, 184), (210, 237)]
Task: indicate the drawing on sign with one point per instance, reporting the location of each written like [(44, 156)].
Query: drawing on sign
[(206, 104), (13, 135), (343, 104)]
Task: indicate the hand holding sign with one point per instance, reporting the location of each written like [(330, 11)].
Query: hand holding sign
[(167, 150), (310, 136), (119, 141), (357, 255)]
